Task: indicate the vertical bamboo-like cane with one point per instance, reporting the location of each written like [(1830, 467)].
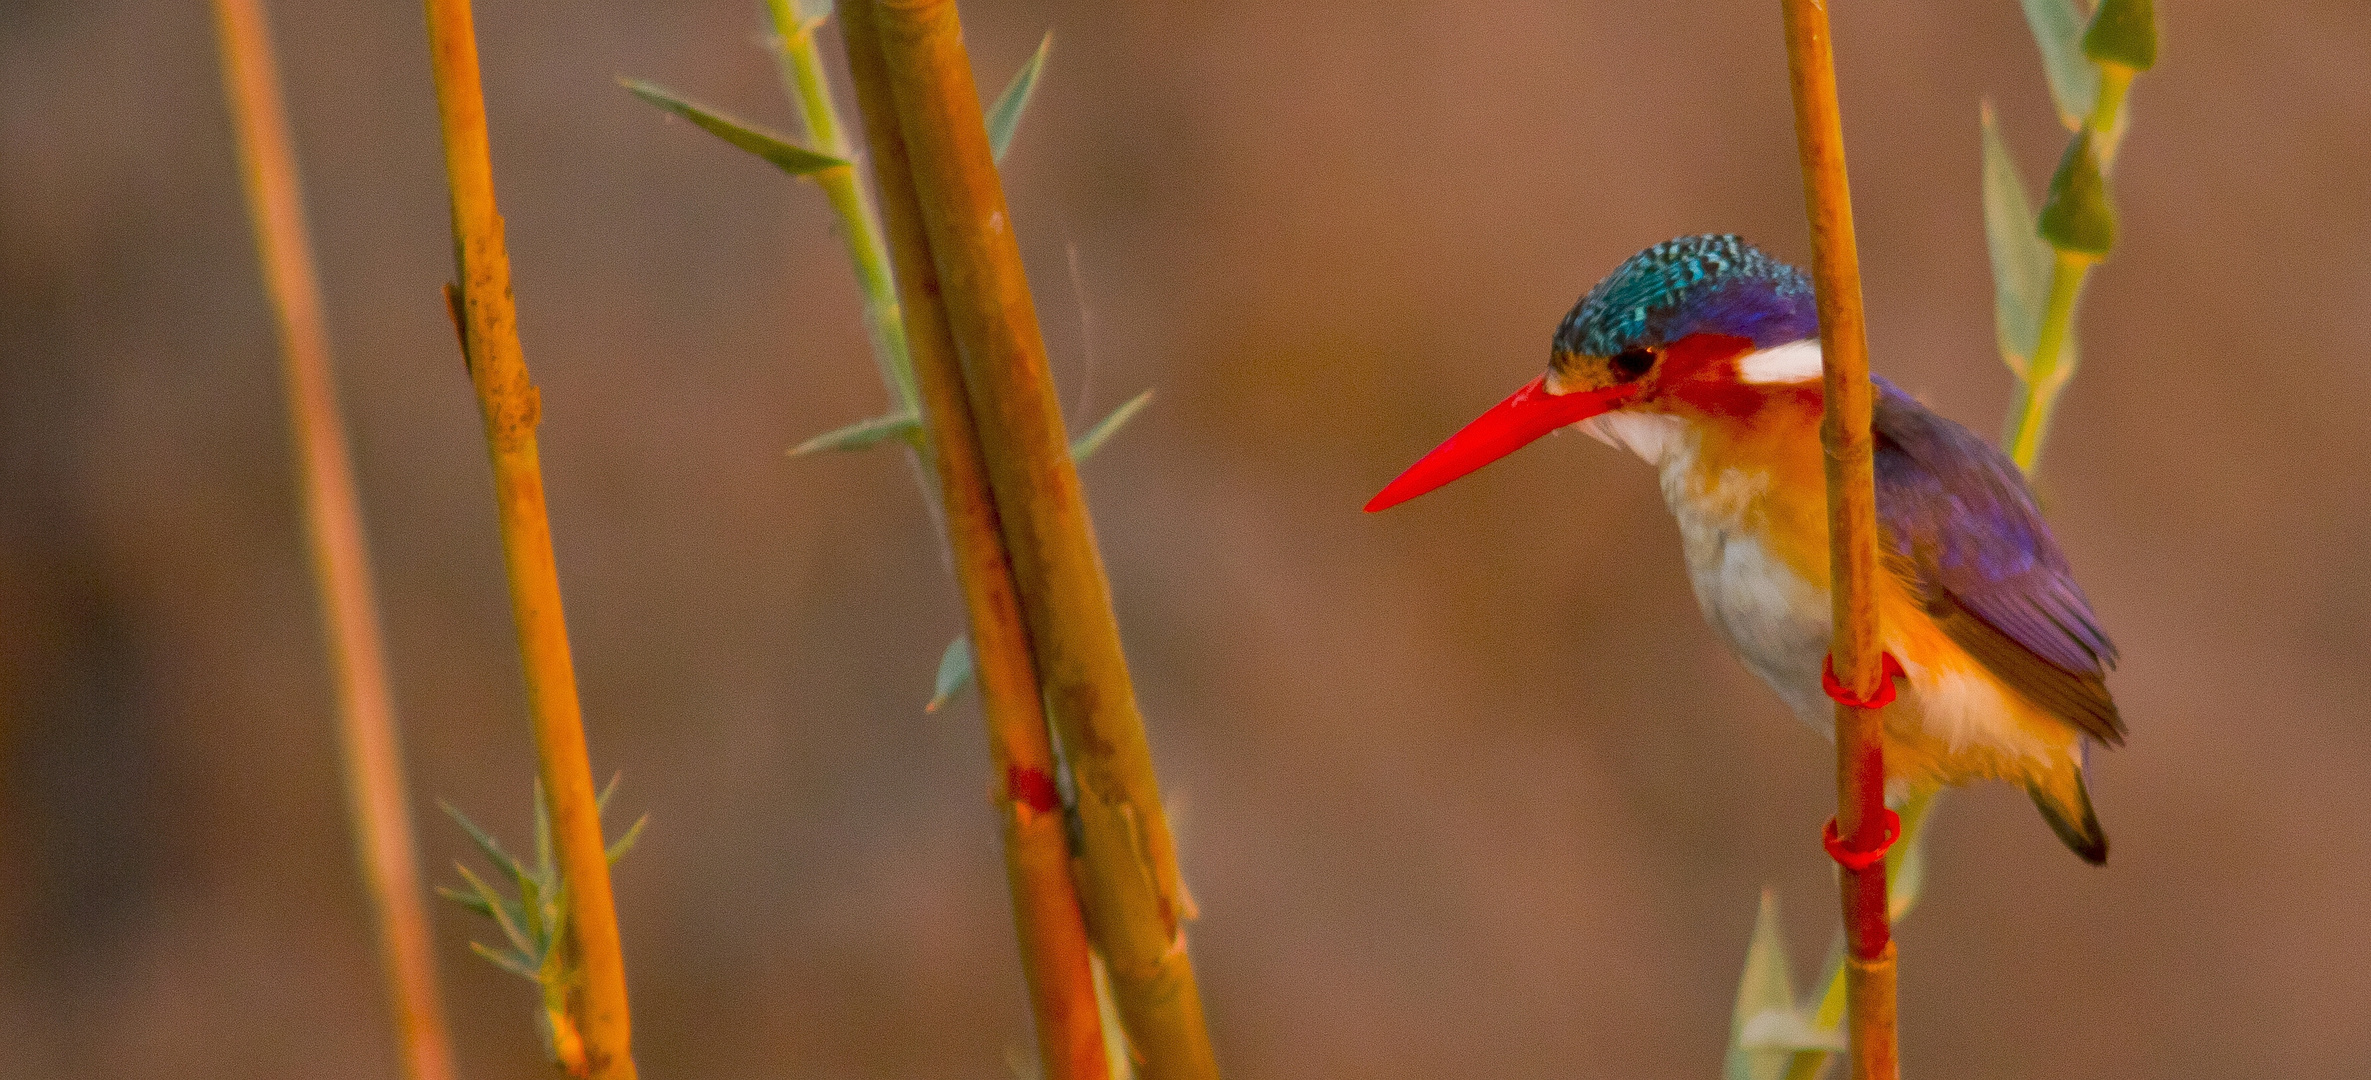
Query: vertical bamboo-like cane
[(1852, 531), (1046, 912), (508, 400), (1135, 902), (371, 753)]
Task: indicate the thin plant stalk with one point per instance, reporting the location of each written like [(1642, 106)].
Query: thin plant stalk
[(803, 77), (1134, 899), (510, 405), (2052, 366), (1870, 958), (1055, 954), (371, 753)]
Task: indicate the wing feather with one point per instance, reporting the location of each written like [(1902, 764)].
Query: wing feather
[(1961, 529)]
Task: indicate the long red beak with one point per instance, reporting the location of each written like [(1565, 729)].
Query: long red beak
[(1509, 426)]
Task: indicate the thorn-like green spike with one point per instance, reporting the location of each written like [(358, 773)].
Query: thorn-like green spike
[(2123, 32), (786, 155), (1084, 446), (508, 961), (956, 671), (2078, 218), (1004, 117), (623, 844), (501, 859), (865, 434)]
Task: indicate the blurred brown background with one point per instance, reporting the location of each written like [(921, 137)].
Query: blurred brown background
[(1465, 790)]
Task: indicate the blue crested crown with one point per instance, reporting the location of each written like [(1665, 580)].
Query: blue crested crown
[(1709, 284)]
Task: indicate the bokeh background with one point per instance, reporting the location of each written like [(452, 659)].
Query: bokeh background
[(1465, 790)]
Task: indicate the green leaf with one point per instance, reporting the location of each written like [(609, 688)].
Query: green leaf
[(1765, 987), (1084, 446), (2078, 219), (788, 156), (2123, 32), (1004, 117), (501, 859), (2020, 261), (866, 434), (2074, 84), (1905, 865), (955, 672), (507, 961), (500, 911), (619, 847), (469, 900)]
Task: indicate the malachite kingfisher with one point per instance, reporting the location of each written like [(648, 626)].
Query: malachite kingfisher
[(1701, 355)]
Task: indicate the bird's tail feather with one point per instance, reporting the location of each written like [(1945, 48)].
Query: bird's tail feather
[(2066, 804)]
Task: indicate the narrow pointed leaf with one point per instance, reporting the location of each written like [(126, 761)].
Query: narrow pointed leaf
[(469, 900), (1084, 446), (543, 835), (2078, 218), (1004, 117), (601, 801), (2020, 260), (865, 434), (500, 911), (1785, 1031), (2074, 84), (786, 155), (619, 847), (1766, 986), (1905, 865), (501, 859), (2123, 32), (955, 672), (507, 961)]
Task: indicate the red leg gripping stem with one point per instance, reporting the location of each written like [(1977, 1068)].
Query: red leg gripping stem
[(1891, 669), (1855, 858)]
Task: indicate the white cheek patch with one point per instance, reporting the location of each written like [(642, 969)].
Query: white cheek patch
[(1789, 363), (1651, 436)]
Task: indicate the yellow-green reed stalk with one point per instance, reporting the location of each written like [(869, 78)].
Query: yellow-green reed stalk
[(510, 405), (2077, 221), (2099, 58), (371, 753), (916, 358), (1135, 902), (1051, 924), (803, 78)]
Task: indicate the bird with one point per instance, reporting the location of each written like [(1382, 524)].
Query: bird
[(1701, 355)]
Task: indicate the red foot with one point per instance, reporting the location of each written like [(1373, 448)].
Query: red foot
[(1854, 859), (1891, 669)]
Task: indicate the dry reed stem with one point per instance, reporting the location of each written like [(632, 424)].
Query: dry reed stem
[(1852, 530), (1046, 913), (508, 400), (1135, 902), (371, 754)]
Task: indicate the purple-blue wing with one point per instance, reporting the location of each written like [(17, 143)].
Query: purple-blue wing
[(1959, 525)]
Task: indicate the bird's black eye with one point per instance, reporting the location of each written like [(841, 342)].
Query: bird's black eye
[(1630, 364)]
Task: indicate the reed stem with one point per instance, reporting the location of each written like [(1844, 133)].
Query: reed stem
[(803, 78), (1852, 529), (371, 754), (1055, 955), (1135, 903), (511, 406)]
